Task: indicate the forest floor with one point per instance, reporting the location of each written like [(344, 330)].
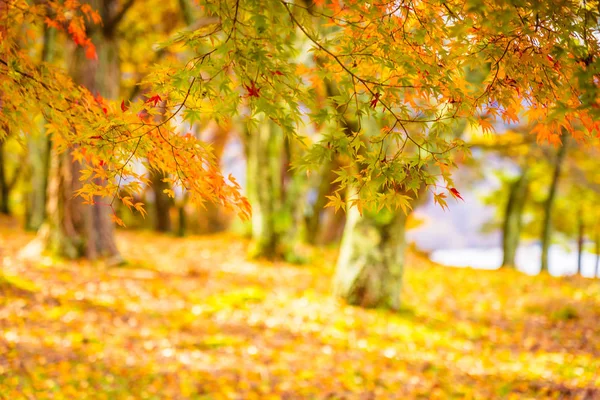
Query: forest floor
[(193, 319)]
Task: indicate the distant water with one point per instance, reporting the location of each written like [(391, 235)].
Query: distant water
[(562, 261)]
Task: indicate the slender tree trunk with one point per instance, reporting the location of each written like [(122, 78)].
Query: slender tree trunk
[(511, 231), (371, 261), (580, 240), (162, 202), (39, 156), (182, 220), (549, 205)]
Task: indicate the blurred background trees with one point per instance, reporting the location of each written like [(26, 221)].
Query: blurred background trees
[(325, 149)]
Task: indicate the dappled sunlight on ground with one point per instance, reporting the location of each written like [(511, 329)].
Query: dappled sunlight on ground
[(193, 319)]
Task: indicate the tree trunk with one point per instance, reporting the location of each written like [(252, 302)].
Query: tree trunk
[(182, 225), (162, 202), (276, 194), (580, 240), (39, 156), (371, 261), (323, 188), (511, 232), (73, 229), (549, 205), (264, 188)]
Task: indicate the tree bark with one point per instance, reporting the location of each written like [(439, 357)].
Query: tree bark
[(511, 232), (182, 220), (549, 205), (277, 195), (264, 189), (72, 229), (371, 261), (162, 202)]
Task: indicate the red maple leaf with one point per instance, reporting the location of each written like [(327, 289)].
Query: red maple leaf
[(253, 90), (455, 193), (154, 99), (123, 106), (90, 51), (376, 97)]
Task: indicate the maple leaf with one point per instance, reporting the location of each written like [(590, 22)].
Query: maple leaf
[(375, 100), (444, 167), (336, 202), (486, 125), (542, 132), (90, 51), (123, 106), (253, 90), (154, 99), (455, 193), (117, 220), (440, 199), (509, 115)]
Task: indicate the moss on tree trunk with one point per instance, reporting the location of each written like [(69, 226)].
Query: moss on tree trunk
[(276, 194), (264, 190), (371, 261), (511, 232)]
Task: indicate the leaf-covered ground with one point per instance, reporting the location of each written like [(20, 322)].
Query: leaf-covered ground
[(192, 319)]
